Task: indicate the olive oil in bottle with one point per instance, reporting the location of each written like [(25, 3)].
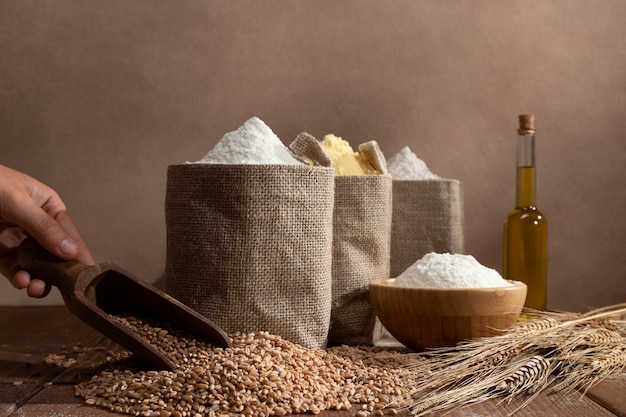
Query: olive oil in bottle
[(525, 228)]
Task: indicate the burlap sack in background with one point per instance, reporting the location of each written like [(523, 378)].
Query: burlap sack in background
[(249, 246), (427, 217)]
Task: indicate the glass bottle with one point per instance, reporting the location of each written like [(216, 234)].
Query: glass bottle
[(525, 228)]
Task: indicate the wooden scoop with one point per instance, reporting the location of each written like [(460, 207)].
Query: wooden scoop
[(94, 293)]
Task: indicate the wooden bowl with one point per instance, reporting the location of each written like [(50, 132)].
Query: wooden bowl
[(421, 318)]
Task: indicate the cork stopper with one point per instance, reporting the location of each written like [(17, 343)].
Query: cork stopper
[(526, 124)]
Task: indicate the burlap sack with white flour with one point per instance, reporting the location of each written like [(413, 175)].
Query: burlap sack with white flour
[(361, 243), (427, 217), (249, 246)]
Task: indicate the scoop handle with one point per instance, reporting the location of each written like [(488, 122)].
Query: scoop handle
[(43, 265)]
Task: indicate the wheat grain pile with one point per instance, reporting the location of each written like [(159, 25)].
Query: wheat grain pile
[(260, 375)]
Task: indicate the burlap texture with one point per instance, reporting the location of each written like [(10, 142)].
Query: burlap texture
[(361, 247), (427, 217), (309, 150), (249, 246)]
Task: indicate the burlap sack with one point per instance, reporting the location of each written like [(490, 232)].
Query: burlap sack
[(249, 246), (427, 217), (361, 240), (361, 245)]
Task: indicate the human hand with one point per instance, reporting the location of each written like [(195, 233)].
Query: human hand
[(28, 207)]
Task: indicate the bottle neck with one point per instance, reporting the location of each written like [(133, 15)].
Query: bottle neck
[(525, 196)]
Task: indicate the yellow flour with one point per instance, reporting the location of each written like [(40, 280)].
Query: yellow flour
[(345, 160)]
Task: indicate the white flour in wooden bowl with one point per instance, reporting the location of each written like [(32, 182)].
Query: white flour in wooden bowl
[(252, 143), (445, 270)]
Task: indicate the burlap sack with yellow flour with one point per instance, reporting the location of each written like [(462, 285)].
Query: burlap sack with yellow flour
[(427, 217), (361, 242), (250, 246)]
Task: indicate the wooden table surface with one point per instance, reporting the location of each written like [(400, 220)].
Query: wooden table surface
[(31, 387)]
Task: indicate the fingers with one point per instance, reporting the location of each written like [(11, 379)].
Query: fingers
[(34, 288), (59, 235), (28, 207), (10, 238), (66, 222), (45, 229), (65, 238), (20, 279), (41, 212), (38, 289), (31, 205)]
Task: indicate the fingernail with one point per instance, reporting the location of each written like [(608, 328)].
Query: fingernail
[(68, 247)]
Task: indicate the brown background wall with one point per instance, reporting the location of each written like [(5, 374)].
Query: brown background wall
[(98, 98)]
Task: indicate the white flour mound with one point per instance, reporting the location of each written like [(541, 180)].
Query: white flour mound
[(253, 143), (445, 270), (405, 165)]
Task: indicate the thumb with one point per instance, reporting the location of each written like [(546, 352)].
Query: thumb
[(47, 231)]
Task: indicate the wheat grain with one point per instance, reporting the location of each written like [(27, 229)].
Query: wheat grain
[(590, 366), (601, 336), (260, 375), (526, 377), (534, 327)]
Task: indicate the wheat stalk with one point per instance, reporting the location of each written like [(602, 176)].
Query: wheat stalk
[(556, 350)]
